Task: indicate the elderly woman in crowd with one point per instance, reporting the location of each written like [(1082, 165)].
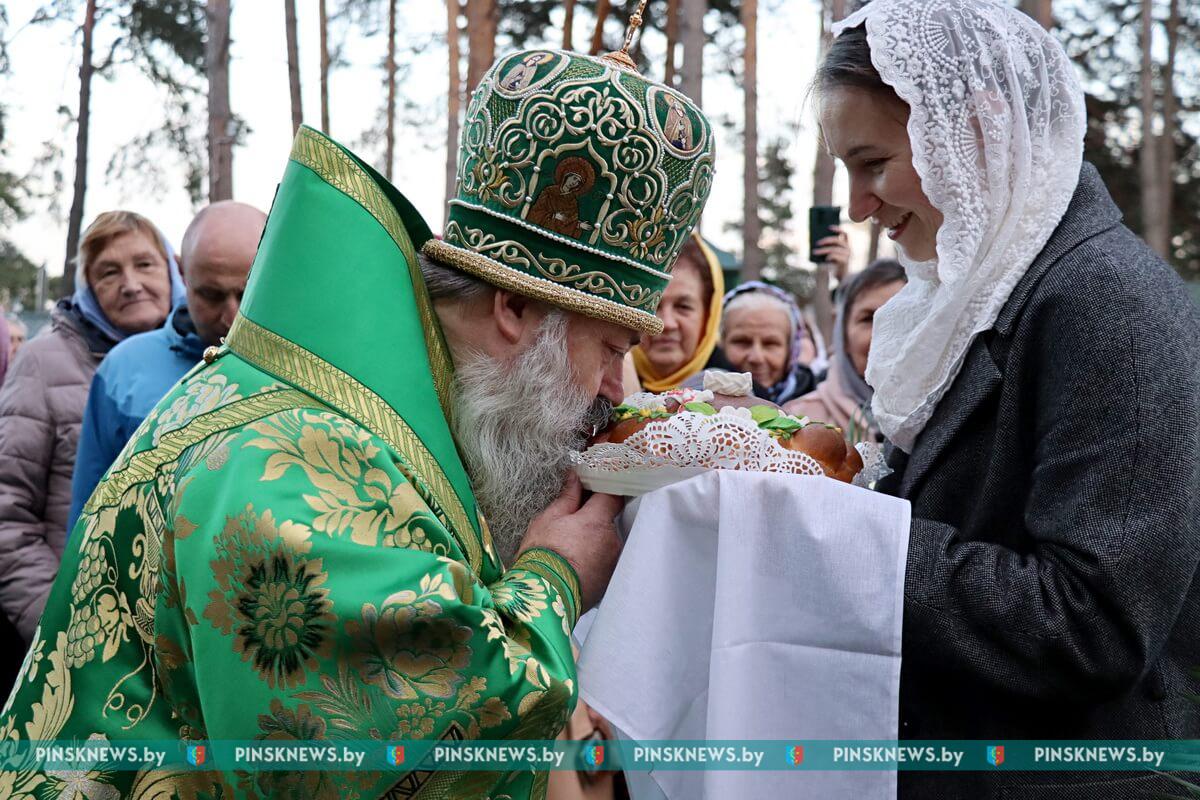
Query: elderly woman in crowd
[(16, 336), (844, 398), (762, 332), (126, 282), (1038, 377), (691, 314)]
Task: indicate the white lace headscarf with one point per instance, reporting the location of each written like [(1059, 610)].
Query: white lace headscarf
[(996, 127)]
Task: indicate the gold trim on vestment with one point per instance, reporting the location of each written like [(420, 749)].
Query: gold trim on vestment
[(339, 170), (556, 571), (561, 296), (142, 465), (302, 368)]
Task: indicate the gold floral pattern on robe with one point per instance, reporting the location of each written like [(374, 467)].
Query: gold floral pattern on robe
[(268, 543)]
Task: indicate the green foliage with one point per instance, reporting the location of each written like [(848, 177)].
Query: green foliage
[(175, 28), (13, 192), (775, 175), (12, 186), (528, 23), (531, 23), (18, 276), (1102, 37), (165, 40)]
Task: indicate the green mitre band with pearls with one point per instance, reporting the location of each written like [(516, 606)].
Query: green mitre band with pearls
[(579, 181)]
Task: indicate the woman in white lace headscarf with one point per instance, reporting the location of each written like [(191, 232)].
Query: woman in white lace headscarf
[(1039, 375), (995, 123)]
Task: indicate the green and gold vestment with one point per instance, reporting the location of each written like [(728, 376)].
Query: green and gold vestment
[(289, 548)]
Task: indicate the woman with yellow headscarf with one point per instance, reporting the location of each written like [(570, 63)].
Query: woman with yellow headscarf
[(691, 315)]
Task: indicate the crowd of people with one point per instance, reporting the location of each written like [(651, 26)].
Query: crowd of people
[(143, 314), (139, 319), (348, 493)]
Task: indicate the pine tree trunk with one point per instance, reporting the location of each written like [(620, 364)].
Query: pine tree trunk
[(390, 126), (672, 27), (1041, 10), (75, 220), (482, 17), (752, 255), (1166, 149), (1045, 13), (602, 9), (453, 95), (691, 25), (1150, 165), (324, 66), (293, 59), (823, 174), (220, 143), (823, 167), (569, 25)]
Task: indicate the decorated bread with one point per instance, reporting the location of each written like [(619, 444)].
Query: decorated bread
[(650, 424)]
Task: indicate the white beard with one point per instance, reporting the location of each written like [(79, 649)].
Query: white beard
[(516, 423)]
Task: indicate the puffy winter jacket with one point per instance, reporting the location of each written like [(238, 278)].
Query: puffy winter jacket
[(41, 407), (130, 382)]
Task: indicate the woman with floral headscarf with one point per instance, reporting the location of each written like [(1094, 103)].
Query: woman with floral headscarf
[(1038, 377), (762, 332)]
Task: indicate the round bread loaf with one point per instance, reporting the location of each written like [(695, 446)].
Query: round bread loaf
[(821, 442)]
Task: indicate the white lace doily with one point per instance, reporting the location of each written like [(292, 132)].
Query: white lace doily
[(874, 465), (682, 446)]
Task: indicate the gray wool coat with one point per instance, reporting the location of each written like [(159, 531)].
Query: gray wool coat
[(1050, 590)]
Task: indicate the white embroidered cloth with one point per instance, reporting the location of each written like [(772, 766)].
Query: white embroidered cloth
[(996, 128), (753, 606)]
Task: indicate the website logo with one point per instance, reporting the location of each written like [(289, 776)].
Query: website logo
[(396, 755), (197, 754), (594, 756), (795, 755), (995, 755)]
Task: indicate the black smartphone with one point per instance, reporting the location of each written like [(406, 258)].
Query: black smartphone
[(821, 222)]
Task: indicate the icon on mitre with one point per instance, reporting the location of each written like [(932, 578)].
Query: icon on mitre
[(557, 206)]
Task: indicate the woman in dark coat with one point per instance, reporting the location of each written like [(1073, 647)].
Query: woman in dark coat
[(1039, 379)]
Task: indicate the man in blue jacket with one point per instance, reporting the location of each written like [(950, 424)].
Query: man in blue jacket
[(215, 257)]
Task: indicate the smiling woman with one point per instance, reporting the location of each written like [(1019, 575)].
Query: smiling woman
[(125, 266), (126, 283), (865, 124), (1038, 376), (691, 315)]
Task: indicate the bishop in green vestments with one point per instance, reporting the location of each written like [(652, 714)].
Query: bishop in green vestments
[(293, 545)]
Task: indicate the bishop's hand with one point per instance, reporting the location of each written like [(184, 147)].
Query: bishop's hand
[(583, 532)]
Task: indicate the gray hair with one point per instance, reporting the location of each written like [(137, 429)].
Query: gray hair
[(756, 300), (516, 422), (448, 283)]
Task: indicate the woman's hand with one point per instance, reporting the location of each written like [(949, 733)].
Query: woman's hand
[(836, 250)]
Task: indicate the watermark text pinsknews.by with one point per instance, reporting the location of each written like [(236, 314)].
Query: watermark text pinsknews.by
[(1091, 755), (536, 756), (298, 754), (897, 754), (117, 754), (697, 754)]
